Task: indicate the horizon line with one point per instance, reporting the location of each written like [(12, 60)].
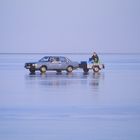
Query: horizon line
[(74, 53)]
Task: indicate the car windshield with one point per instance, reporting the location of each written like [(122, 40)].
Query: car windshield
[(44, 59)]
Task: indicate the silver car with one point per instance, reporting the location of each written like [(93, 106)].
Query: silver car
[(57, 63)]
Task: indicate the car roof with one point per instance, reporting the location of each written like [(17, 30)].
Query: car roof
[(54, 56)]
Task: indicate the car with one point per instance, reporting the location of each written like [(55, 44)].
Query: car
[(87, 65), (56, 63)]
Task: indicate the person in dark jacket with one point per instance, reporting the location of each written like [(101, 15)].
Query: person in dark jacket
[(95, 58)]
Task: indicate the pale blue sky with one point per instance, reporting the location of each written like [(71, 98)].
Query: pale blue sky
[(70, 26)]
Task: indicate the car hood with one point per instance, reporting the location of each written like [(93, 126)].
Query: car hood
[(31, 63)]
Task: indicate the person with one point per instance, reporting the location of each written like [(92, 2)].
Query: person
[(95, 58)]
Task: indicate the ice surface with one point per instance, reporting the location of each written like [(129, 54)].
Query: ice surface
[(77, 106)]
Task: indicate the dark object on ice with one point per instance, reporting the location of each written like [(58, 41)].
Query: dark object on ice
[(83, 65)]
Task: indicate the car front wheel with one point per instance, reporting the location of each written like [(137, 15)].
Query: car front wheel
[(69, 69), (43, 69)]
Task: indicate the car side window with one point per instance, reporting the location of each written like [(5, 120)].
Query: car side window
[(51, 59), (54, 59), (63, 59)]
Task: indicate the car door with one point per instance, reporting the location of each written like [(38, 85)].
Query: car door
[(64, 63), (54, 63)]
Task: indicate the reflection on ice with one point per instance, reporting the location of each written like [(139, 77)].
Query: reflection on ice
[(66, 79), (96, 79)]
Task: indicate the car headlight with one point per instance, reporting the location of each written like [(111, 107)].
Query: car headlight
[(35, 65)]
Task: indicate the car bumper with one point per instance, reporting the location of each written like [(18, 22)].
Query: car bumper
[(29, 67)]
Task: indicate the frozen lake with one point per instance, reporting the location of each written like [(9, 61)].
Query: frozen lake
[(77, 106)]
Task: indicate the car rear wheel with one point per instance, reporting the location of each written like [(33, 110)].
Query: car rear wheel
[(96, 69), (43, 69), (69, 69)]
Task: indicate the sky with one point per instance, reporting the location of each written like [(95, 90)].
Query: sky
[(67, 26)]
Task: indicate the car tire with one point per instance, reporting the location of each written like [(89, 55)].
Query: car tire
[(32, 70), (43, 69), (96, 69), (69, 69)]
